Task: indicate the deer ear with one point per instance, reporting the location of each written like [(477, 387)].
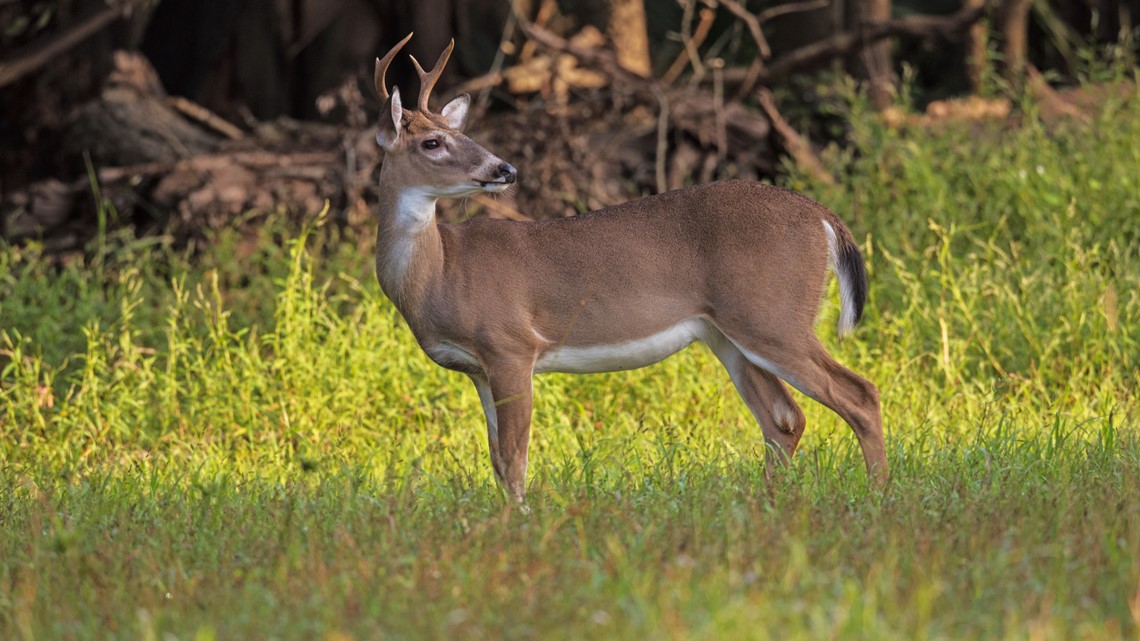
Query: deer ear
[(455, 112), (390, 116)]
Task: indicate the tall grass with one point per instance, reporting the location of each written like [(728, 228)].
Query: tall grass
[(256, 448)]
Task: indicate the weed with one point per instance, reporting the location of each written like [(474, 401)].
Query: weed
[(219, 449)]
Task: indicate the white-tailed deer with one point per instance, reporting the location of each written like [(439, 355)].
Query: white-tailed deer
[(739, 266)]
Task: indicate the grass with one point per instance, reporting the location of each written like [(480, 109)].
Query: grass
[(210, 448)]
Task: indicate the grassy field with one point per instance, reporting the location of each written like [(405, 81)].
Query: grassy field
[(256, 449)]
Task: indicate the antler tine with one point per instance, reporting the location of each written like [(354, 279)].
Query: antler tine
[(382, 68), (428, 79)]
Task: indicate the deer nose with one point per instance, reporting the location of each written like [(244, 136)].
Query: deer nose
[(507, 172)]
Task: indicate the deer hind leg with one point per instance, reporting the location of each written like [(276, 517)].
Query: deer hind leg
[(770, 402), (808, 367)]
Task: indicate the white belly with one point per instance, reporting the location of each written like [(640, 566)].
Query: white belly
[(623, 356)]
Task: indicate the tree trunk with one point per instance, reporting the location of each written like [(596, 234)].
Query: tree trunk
[(1014, 26), (623, 23), (873, 63), (626, 30), (976, 46)]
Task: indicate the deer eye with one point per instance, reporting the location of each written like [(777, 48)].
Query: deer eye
[(431, 143)]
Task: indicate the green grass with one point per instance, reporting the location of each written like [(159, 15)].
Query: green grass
[(200, 449)]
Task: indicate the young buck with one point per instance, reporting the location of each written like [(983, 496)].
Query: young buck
[(739, 266)]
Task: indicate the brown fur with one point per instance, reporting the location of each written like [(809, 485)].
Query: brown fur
[(490, 298)]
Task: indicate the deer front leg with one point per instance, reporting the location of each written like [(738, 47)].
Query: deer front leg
[(483, 387), (511, 394)]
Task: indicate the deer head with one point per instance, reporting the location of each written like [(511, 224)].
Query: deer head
[(428, 151)]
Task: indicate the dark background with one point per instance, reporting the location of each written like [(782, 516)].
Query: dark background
[(251, 62)]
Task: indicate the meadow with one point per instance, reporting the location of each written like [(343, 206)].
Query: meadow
[(244, 441)]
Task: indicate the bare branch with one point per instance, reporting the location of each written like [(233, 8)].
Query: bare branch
[(688, 54), (785, 9), (755, 22), (736, 9), (42, 52), (946, 28), (717, 65), (199, 113), (496, 64), (798, 148), (600, 59), (662, 139)]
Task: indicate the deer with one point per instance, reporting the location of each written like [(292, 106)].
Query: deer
[(739, 266)]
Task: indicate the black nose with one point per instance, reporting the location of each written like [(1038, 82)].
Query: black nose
[(507, 173)]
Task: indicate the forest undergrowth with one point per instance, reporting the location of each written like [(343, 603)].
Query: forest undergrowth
[(248, 443)]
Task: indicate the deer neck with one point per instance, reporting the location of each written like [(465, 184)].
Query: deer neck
[(409, 251)]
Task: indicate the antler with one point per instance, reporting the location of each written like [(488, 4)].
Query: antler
[(428, 79), (382, 68)]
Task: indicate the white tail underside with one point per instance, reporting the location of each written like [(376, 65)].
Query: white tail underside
[(846, 289)]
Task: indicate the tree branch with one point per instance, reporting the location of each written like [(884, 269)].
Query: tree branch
[(798, 148), (753, 24), (600, 59), (794, 7), (42, 52), (946, 28)]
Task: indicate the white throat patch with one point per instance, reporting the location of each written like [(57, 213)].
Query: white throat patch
[(415, 210)]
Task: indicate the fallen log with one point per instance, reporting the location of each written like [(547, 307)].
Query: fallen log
[(164, 163)]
